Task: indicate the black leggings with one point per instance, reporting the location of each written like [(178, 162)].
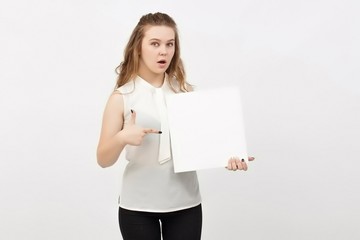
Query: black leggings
[(179, 225)]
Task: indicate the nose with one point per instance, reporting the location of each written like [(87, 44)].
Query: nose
[(163, 51)]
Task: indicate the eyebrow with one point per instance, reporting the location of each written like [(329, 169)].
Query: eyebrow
[(156, 39)]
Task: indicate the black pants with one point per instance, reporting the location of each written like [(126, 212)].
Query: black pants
[(179, 225)]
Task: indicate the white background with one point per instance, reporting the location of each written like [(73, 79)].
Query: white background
[(297, 63)]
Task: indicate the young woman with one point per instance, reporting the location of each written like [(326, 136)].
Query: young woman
[(154, 200)]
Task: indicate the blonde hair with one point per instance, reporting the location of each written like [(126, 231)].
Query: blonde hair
[(128, 68)]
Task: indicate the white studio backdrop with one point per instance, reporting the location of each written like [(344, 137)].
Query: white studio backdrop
[(296, 62)]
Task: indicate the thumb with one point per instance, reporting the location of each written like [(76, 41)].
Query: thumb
[(133, 116)]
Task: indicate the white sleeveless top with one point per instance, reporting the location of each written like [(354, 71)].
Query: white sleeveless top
[(148, 185)]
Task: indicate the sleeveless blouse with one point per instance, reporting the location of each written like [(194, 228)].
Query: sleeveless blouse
[(149, 185)]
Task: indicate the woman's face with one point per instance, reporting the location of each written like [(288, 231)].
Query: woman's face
[(157, 49)]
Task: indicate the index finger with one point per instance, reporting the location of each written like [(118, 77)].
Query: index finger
[(151, 130)]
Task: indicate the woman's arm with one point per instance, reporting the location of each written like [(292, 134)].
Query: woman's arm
[(115, 134), (111, 142)]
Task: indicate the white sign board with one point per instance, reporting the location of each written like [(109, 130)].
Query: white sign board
[(206, 128)]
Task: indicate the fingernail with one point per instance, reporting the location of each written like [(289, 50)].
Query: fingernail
[(160, 132), (131, 110)]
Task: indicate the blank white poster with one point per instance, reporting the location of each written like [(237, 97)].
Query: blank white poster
[(206, 128)]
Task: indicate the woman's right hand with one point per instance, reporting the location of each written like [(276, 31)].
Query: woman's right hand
[(133, 134)]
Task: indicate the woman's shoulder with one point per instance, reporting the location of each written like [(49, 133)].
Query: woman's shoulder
[(115, 102), (126, 88), (177, 87)]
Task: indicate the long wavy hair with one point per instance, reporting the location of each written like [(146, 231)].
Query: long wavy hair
[(128, 68)]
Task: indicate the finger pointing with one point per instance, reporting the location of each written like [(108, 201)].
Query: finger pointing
[(151, 130)]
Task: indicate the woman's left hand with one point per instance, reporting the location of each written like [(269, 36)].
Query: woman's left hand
[(236, 163)]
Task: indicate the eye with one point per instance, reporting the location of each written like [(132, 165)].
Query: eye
[(170, 44), (156, 44)]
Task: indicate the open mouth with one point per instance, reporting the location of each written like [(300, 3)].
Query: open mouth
[(162, 61)]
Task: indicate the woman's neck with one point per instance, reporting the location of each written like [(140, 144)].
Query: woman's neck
[(155, 80)]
